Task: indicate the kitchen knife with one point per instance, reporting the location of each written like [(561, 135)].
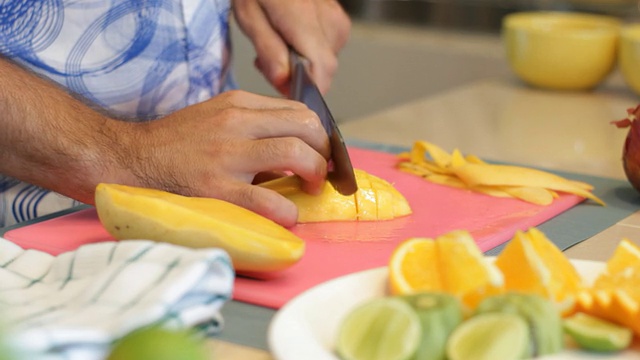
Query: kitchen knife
[(303, 89)]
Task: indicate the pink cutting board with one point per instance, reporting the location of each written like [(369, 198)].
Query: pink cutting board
[(336, 249)]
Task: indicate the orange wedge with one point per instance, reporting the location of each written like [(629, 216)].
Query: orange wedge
[(615, 294), (465, 271), (413, 267), (531, 263), (622, 273), (452, 263), (626, 255)]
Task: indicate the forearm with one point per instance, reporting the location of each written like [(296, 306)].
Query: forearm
[(51, 139)]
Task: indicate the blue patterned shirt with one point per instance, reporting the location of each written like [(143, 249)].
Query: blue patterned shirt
[(139, 59)]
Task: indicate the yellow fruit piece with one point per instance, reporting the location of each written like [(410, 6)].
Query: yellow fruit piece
[(535, 195), (509, 175), (531, 263), (615, 294), (625, 310), (626, 255), (584, 302), (452, 263), (440, 157), (254, 243), (523, 269), (413, 267), (565, 280), (465, 271), (613, 305), (627, 281), (376, 199), (448, 180), (470, 172)]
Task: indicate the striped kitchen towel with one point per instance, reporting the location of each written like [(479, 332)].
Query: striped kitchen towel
[(76, 304)]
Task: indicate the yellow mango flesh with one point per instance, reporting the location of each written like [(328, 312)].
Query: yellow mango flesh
[(376, 199), (254, 243)]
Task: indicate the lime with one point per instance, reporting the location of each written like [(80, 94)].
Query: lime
[(440, 314), (543, 319), (384, 328), (155, 343), (490, 336), (595, 334)]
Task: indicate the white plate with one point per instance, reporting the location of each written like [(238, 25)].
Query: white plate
[(306, 327)]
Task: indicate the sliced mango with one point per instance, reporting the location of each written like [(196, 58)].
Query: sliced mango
[(254, 243), (376, 199)]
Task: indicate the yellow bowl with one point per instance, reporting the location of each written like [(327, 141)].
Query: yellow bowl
[(629, 56), (561, 50)]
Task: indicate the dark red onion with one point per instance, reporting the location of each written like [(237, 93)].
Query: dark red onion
[(631, 150)]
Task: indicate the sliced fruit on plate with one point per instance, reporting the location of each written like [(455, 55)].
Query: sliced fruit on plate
[(440, 314), (465, 271), (376, 199), (615, 294), (380, 329), (413, 267), (490, 336), (452, 263), (542, 318), (594, 334), (531, 263), (137, 213), (625, 256), (469, 172)]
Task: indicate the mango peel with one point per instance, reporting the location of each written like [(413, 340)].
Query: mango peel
[(472, 173), (254, 243)]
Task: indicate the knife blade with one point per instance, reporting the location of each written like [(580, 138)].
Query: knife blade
[(303, 89)]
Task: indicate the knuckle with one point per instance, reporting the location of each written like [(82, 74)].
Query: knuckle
[(309, 119), (290, 149), (228, 116), (256, 199), (331, 65), (233, 96)]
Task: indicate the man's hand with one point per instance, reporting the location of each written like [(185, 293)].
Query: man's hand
[(216, 149), (317, 29)]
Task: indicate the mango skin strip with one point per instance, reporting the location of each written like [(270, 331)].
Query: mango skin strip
[(500, 175), (470, 172)]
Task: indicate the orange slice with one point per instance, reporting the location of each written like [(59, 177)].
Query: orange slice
[(622, 273), (523, 269), (626, 255), (452, 263), (565, 280), (465, 271), (413, 267), (531, 263), (615, 294)]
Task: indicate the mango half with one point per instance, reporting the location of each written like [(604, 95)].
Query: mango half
[(376, 199), (254, 243)]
